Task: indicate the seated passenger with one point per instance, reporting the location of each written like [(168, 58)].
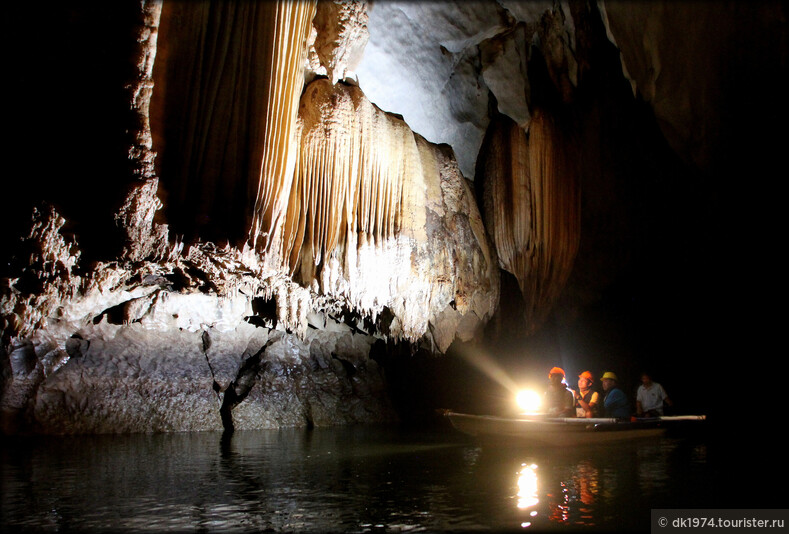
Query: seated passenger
[(586, 399), (615, 403), (559, 400), (650, 398)]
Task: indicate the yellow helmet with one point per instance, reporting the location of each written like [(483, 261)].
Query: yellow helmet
[(609, 374)]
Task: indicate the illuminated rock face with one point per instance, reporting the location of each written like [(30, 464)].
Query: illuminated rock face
[(133, 378), (379, 218), (438, 63), (198, 341), (340, 38), (358, 230)]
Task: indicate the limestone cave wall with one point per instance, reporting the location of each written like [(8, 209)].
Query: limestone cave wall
[(234, 214)]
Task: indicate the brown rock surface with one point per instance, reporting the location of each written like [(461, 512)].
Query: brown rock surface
[(531, 200)]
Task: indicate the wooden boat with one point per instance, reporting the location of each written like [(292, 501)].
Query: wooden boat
[(540, 430)]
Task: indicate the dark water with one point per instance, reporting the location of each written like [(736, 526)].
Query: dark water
[(352, 479)]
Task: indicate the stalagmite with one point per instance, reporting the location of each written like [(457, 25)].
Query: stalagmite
[(532, 207), (144, 238)]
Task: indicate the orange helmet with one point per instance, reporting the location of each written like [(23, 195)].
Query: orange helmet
[(556, 371), (587, 375)]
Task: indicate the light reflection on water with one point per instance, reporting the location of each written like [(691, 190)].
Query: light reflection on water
[(354, 479), (527, 486)]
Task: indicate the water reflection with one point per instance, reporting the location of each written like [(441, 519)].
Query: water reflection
[(527, 486), (359, 479), (601, 488), (573, 501), (567, 500)]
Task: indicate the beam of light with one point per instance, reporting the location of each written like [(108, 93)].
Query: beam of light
[(483, 361)]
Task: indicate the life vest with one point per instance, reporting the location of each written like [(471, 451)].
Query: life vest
[(587, 398)]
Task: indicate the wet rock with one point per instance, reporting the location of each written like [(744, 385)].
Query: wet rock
[(139, 381)]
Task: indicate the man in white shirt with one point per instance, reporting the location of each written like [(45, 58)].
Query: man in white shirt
[(650, 398)]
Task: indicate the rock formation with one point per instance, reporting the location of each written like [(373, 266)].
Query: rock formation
[(357, 229), (286, 185), (531, 198)]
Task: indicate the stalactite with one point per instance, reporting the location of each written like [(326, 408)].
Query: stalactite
[(352, 169), (379, 218), (336, 189), (228, 75), (293, 23), (532, 207)]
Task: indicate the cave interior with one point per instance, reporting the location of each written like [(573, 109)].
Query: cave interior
[(673, 269)]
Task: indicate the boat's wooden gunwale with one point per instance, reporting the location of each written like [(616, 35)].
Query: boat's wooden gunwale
[(560, 431)]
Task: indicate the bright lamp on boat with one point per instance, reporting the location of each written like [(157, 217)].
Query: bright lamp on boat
[(528, 400)]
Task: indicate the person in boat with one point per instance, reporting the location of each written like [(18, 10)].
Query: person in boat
[(559, 400), (650, 397), (586, 398), (615, 403)]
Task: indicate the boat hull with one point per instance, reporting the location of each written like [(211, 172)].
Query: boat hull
[(555, 432)]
